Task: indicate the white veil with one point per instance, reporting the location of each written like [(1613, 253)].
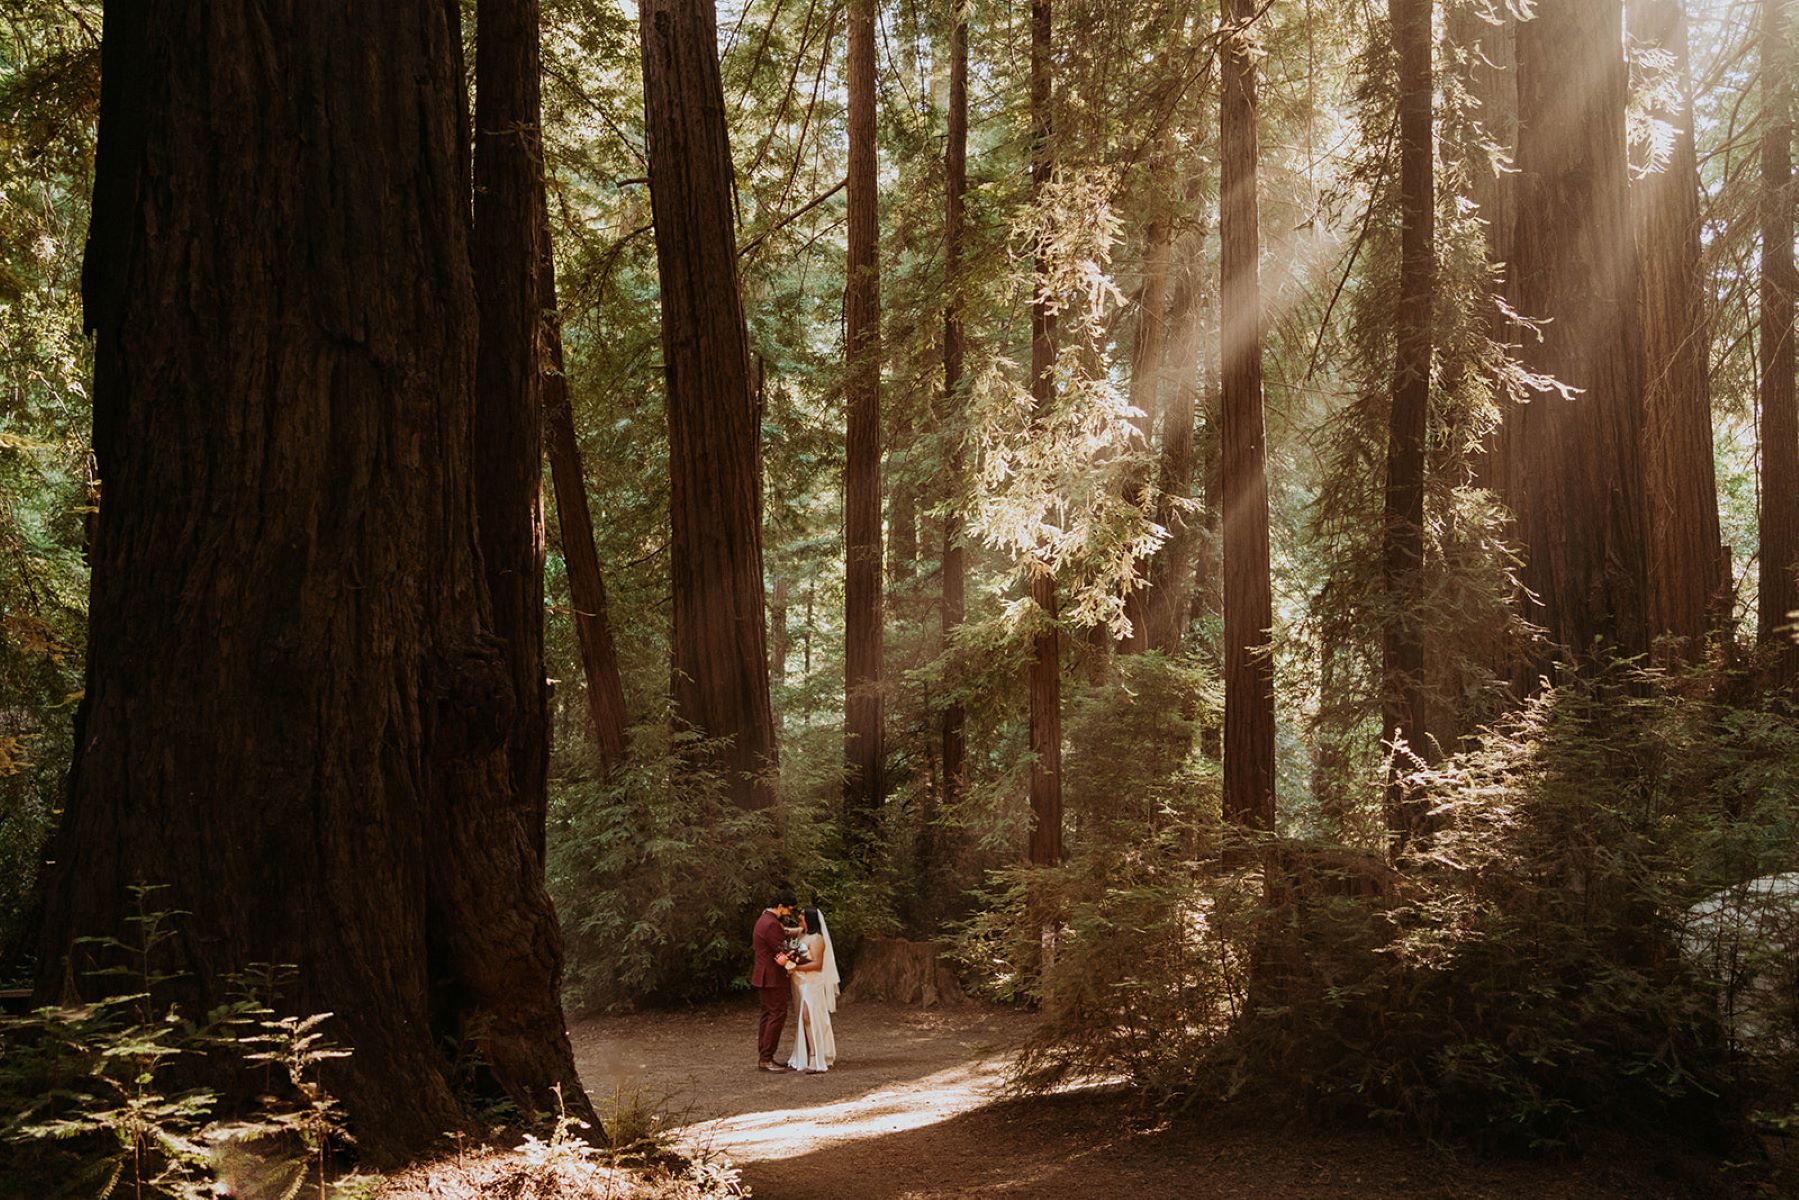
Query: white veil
[(832, 980)]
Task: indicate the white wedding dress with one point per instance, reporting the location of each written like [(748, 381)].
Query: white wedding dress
[(815, 999)]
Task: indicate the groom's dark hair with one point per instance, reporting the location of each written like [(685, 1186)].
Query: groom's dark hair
[(784, 898)]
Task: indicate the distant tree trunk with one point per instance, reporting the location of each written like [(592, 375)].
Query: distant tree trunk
[(1046, 647), (1779, 587), (777, 632), (586, 585), (955, 557), (1680, 485), (294, 677), (862, 602), (1248, 597), (715, 493), (1579, 477), (1146, 377), (902, 504), (1171, 570), (1402, 649), (506, 256)]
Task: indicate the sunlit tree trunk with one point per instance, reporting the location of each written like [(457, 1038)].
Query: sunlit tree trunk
[(955, 557), (1680, 486), (1576, 460), (1402, 649), (863, 717), (715, 503), (1248, 597), (1046, 647), (1779, 586), (297, 711)]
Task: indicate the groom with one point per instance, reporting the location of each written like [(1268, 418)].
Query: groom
[(769, 976)]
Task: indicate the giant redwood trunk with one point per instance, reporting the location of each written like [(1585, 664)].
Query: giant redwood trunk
[(1248, 596), (1778, 594), (955, 556), (862, 717), (507, 253), (298, 712), (1578, 475), (580, 554), (1685, 567), (1045, 678), (1402, 643), (715, 552)]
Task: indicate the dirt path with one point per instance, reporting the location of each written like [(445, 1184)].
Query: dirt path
[(911, 1110)]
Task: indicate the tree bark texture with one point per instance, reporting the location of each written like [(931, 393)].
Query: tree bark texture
[(1680, 484), (507, 254), (1576, 461), (715, 501), (1778, 594), (1171, 570), (1045, 683), (586, 583), (1147, 352), (1402, 646), (1248, 597), (294, 677), (863, 718), (955, 556)]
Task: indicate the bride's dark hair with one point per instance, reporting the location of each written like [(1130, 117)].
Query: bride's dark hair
[(814, 919)]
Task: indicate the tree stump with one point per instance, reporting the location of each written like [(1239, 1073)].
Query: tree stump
[(902, 972)]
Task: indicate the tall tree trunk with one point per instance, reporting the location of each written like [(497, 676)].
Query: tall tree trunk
[(586, 584), (1248, 597), (1147, 353), (1778, 594), (777, 632), (507, 257), (1680, 484), (293, 674), (1579, 477), (715, 487), (862, 602), (955, 557), (1046, 646), (902, 503), (1402, 648), (1171, 570)]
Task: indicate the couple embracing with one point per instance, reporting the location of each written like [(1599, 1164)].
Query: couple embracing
[(795, 964)]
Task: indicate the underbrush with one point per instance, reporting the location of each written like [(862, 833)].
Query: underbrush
[(1561, 951)]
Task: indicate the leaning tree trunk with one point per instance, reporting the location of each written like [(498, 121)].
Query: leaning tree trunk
[(293, 673), (1684, 565), (1248, 596), (1045, 676), (506, 255), (1778, 594), (863, 716), (586, 583), (1402, 643), (715, 501), (955, 556), (1578, 468)]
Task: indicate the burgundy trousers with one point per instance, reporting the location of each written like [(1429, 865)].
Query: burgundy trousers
[(774, 1019)]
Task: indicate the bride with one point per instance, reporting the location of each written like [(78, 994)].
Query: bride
[(815, 983)]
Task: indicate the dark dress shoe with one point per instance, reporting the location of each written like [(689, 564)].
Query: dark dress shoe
[(770, 1066)]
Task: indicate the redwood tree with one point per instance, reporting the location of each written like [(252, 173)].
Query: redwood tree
[(1778, 593), (1577, 466), (862, 602), (1248, 596), (955, 556), (293, 672), (715, 552), (1045, 677), (1685, 566)]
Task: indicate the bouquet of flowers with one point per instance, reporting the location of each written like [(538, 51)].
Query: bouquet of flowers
[(793, 952)]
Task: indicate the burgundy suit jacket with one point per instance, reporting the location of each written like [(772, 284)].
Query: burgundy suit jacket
[(767, 941)]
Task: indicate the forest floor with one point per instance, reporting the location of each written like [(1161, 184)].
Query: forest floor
[(913, 1109)]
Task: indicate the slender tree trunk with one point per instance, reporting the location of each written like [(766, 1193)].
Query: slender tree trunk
[(715, 491), (1779, 588), (955, 557), (777, 632), (506, 255), (902, 503), (1402, 652), (1579, 472), (1248, 597), (294, 677), (1171, 574), (1680, 485), (586, 585), (1146, 377), (1046, 647), (863, 716)]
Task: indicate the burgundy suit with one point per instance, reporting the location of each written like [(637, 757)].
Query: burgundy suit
[(769, 978)]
